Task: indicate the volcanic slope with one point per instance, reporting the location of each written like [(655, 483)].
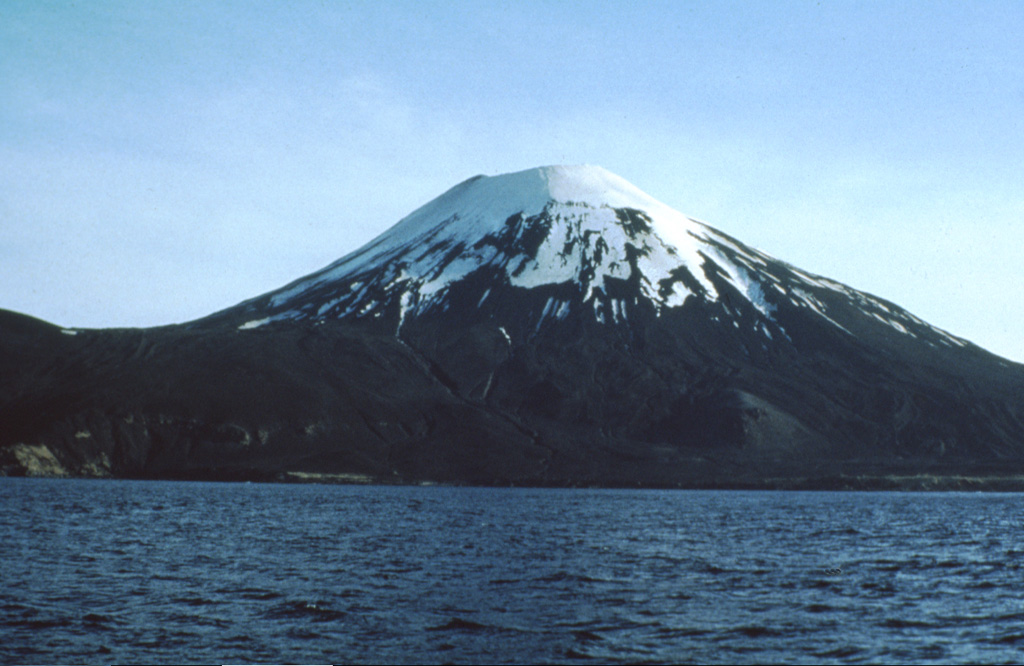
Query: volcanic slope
[(552, 326)]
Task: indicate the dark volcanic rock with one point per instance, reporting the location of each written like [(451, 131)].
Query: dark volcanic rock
[(553, 327)]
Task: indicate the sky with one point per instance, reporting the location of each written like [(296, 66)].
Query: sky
[(160, 161)]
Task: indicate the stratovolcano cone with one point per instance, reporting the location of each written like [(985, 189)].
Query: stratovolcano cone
[(548, 327)]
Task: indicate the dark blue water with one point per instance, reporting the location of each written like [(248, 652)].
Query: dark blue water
[(115, 571)]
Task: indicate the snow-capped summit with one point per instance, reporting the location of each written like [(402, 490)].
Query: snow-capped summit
[(568, 240), (544, 226)]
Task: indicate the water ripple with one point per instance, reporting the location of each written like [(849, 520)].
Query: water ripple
[(112, 571)]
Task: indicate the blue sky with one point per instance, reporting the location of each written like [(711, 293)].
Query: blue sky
[(163, 160)]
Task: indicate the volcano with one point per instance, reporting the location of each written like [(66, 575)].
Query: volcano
[(555, 326)]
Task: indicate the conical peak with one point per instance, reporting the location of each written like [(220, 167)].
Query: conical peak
[(541, 226), (554, 225), (553, 241)]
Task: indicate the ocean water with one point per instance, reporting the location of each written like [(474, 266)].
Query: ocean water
[(167, 572)]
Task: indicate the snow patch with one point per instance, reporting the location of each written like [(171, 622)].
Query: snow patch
[(404, 304), (889, 322), (255, 323), (822, 282)]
